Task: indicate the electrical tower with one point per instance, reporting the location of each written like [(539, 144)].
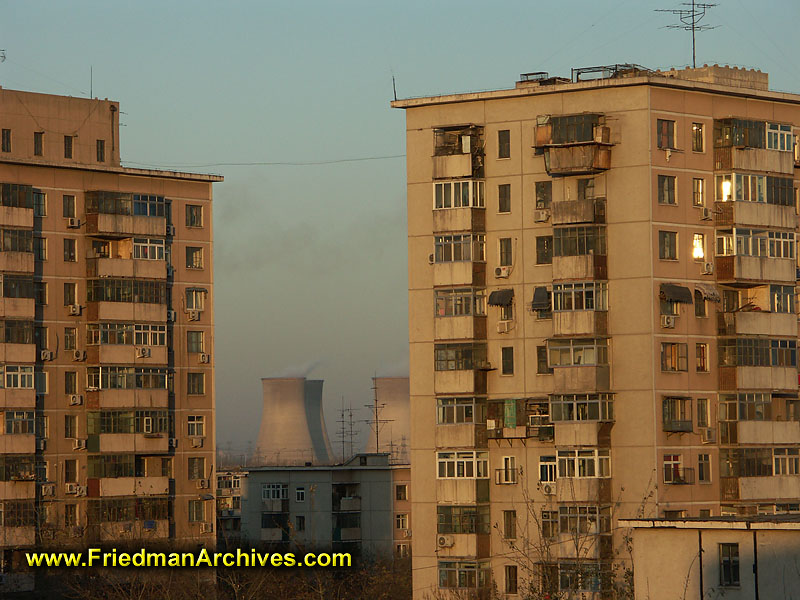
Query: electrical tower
[(690, 18)]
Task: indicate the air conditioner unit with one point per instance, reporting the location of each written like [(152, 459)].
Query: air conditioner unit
[(73, 223), (541, 205), (170, 270), (541, 216), (707, 214), (207, 528), (194, 315), (143, 353), (202, 484), (504, 326), (406, 533), (71, 488), (708, 268), (41, 444), (444, 541), (709, 435), (548, 489), (491, 424), (81, 490), (49, 489), (197, 442), (79, 355), (75, 310), (602, 134), (171, 230), (171, 316), (79, 445), (46, 355), (502, 272), (173, 442), (668, 321), (75, 399), (430, 259)]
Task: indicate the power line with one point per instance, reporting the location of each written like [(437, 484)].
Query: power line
[(267, 163), (690, 21)]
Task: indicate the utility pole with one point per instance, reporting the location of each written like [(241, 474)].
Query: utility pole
[(690, 18)]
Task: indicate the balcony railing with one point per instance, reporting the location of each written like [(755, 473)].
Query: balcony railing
[(678, 426), (508, 476), (679, 476)]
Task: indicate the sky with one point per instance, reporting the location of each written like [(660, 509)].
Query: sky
[(310, 260)]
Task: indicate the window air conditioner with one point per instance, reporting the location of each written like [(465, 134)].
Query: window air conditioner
[(708, 268), (444, 541), (71, 488), (73, 223), (668, 321), (46, 354), (171, 315), (205, 358), (173, 442), (171, 230), (202, 484), (541, 216), (502, 272), (79, 355), (548, 489), (75, 310), (79, 445), (143, 352), (707, 214), (194, 315), (207, 528), (75, 400)]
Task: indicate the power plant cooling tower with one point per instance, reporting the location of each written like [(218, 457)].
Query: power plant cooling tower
[(292, 424), (394, 418)]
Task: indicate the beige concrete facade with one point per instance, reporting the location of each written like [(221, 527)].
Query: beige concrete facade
[(617, 289), (108, 332)]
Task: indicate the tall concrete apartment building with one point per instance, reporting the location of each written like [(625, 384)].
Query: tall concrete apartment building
[(106, 352), (602, 276)]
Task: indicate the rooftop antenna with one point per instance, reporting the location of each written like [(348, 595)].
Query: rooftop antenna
[(690, 18), (2, 55), (376, 422), (345, 431), (394, 88)]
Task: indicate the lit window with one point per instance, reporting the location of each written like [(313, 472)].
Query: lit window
[(699, 247)]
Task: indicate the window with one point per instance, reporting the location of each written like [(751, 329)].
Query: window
[(127, 378), (195, 298), (578, 352), (460, 302), (702, 412), (697, 137), (745, 462), (148, 249), (504, 198), (544, 194), (196, 467), (401, 521), (194, 258), (462, 465), (780, 191), (144, 335), (38, 142), (70, 426), (673, 470), (511, 579), (19, 422), (17, 240), (508, 473), (70, 382), (69, 250), (401, 492), (544, 250), (786, 461), (68, 205), (507, 359), (704, 468), (460, 247), (464, 574), (542, 368), (196, 383), (70, 471), (665, 133), (40, 292), (196, 425), (455, 411), (194, 215), (68, 146), (590, 295), (582, 407), (779, 137), (781, 244), (458, 194), (674, 356), (507, 312), (666, 189), (701, 354), (6, 144), (197, 511), (300, 494), (70, 293), (549, 524), (39, 204), (510, 524), (463, 519), (19, 377), (275, 491), (584, 464), (781, 298), (459, 357), (126, 290), (101, 151), (504, 143), (699, 247), (729, 565), (194, 341), (677, 414), (166, 467), (579, 241), (668, 245), (70, 515), (698, 191), (573, 128), (506, 257), (300, 523), (547, 468), (40, 249)]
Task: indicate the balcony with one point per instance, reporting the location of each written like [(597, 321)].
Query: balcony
[(125, 225), (126, 267), (768, 432), (348, 534), (507, 476), (462, 491), (125, 354), (589, 547), (590, 378), (465, 273), (585, 266), (16, 217), (138, 530), (456, 165), (577, 433), (590, 210), (580, 158), (757, 378), (274, 534), (459, 219), (678, 426), (543, 433), (12, 398), (350, 504), (580, 322), (134, 442), (680, 476), (127, 399), (133, 486), (275, 505), (465, 435), (459, 382), (459, 328), (758, 269), (17, 308), (474, 545), (753, 159), (17, 489), (754, 214), (16, 262), (776, 487), (18, 536), (126, 311), (572, 489), (757, 322), (18, 353), (20, 443), (517, 432)]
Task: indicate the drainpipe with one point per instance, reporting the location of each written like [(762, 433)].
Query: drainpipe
[(700, 556), (755, 563)]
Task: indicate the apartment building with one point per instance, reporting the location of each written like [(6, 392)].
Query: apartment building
[(107, 384), (602, 276), (361, 506)]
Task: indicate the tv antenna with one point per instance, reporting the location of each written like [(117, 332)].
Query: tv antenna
[(346, 433), (2, 55), (376, 423), (690, 18)]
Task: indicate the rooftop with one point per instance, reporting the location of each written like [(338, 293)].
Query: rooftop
[(787, 522)]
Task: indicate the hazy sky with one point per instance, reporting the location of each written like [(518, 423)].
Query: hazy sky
[(311, 267)]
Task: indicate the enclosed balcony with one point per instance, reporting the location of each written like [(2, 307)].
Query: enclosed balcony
[(573, 144), (459, 219), (754, 214), (580, 322), (133, 486), (458, 152), (464, 435), (117, 398), (768, 432), (757, 378), (460, 328), (121, 267), (17, 308), (122, 354), (17, 398), (584, 266), (18, 443), (18, 489), (462, 491), (15, 537), (577, 433), (152, 529), (589, 378), (743, 158), (591, 489), (589, 210), (18, 353), (16, 262), (134, 442), (755, 269), (121, 214), (16, 216), (757, 322), (775, 487), (474, 545)]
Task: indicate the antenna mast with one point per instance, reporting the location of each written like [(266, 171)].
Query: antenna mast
[(690, 18), (345, 432), (376, 422)]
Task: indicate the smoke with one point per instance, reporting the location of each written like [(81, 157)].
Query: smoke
[(396, 369), (301, 370)]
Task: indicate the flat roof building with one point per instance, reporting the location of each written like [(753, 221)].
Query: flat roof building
[(602, 277)]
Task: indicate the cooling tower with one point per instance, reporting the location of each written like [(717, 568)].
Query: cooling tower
[(394, 416), (292, 424)]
